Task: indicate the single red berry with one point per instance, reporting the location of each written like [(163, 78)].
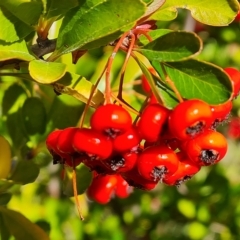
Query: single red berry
[(157, 162), (64, 145), (102, 188), (134, 179), (122, 190), (207, 148), (111, 120), (92, 144), (186, 170), (121, 162), (234, 128), (51, 143), (234, 75), (190, 118), (151, 122), (64, 140), (221, 112), (128, 141)]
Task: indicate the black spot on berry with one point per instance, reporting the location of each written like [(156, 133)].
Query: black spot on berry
[(182, 180), (208, 156), (158, 173), (116, 162), (112, 133), (195, 129)]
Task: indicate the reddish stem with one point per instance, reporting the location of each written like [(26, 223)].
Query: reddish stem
[(74, 182), (90, 98), (109, 66), (133, 39)]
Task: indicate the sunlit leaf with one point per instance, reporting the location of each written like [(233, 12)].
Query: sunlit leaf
[(20, 227), (12, 28), (46, 72), (173, 46), (197, 79), (16, 50), (24, 172), (95, 24), (5, 157), (27, 11), (216, 13), (78, 87), (59, 7)]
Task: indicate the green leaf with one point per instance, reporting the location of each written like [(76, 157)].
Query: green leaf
[(197, 79), (13, 98), (153, 7), (34, 116), (24, 172), (78, 87), (5, 198), (84, 178), (4, 233), (5, 185), (173, 46), (65, 112), (5, 157), (16, 50), (46, 72), (12, 29), (20, 227), (27, 11), (216, 13), (96, 23), (59, 7)]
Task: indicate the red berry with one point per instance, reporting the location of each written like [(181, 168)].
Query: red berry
[(122, 188), (111, 120), (186, 169), (234, 75), (207, 148), (121, 162), (128, 141), (234, 128), (64, 140), (151, 122), (93, 144), (134, 179), (221, 112), (51, 143), (190, 118), (157, 162), (102, 188)]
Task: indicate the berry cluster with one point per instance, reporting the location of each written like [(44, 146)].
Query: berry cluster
[(160, 145)]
